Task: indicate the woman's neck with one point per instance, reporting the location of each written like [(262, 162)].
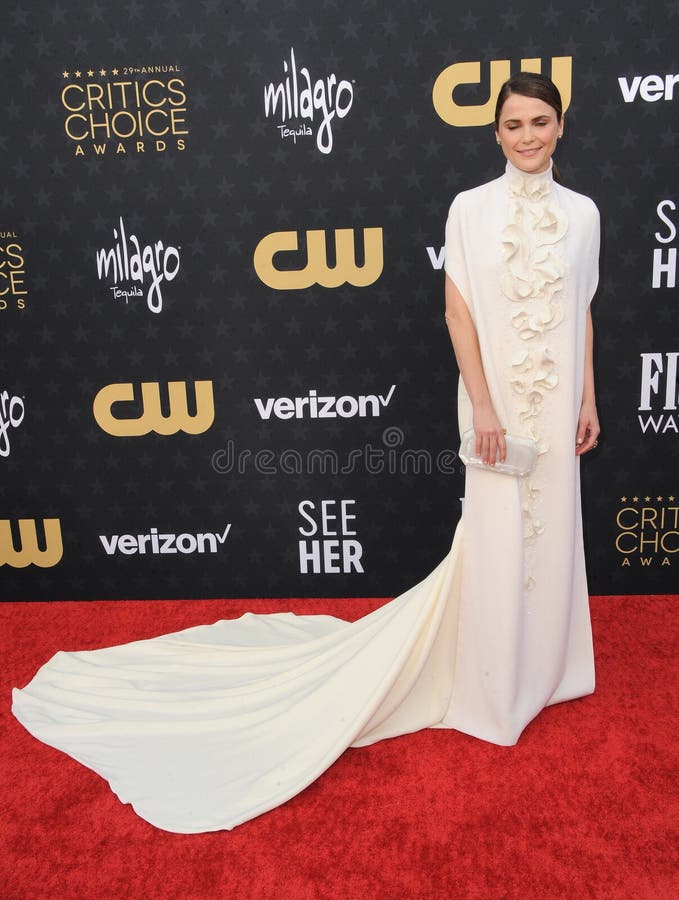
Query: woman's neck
[(546, 174)]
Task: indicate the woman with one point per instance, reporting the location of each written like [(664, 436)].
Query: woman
[(209, 727), (521, 269)]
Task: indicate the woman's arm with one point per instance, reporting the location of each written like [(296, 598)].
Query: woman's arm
[(490, 442), (588, 421)]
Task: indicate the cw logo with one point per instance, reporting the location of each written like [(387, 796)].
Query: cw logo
[(152, 418), (317, 270), (500, 70), (29, 551)]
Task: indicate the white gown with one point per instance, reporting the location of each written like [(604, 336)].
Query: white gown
[(206, 728)]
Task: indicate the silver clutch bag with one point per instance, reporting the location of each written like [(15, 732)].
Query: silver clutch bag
[(522, 454)]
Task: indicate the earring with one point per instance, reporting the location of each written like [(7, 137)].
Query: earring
[(499, 142)]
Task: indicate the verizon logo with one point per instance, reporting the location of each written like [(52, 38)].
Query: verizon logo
[(161, 543), (312, 406)]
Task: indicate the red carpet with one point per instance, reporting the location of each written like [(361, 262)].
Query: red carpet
[(584, 807)]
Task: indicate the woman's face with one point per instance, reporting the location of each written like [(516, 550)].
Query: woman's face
[(528, 130)]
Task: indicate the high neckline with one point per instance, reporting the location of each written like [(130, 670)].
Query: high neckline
[(533, 186)]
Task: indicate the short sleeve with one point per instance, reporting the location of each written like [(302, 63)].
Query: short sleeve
[(456, 264), (592, 276)]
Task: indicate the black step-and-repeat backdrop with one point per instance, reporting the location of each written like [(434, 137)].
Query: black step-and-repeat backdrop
[(225, 370)]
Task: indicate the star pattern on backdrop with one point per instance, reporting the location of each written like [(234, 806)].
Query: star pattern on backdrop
[(394, 165)]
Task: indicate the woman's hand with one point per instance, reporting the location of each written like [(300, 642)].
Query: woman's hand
[(588, 428), (588, 420), (490, 437)]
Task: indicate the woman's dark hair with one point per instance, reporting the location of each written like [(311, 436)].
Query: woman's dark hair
[(531, 84)]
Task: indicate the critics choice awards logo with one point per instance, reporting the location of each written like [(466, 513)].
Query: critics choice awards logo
[(137, 270), (304, 106), (647, 531), (13, 291), (124, 110)]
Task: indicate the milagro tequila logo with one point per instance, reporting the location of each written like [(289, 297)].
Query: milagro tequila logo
[(11, 416), (300, 102), (135, 266)]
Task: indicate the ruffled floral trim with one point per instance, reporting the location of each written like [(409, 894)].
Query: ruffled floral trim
[(535, 267), (533, 373), (532, 249), (525, 184)]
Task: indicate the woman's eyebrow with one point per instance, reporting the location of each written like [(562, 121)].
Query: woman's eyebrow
[(534, 119)]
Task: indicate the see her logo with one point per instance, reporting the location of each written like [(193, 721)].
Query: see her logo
[(328, 544)]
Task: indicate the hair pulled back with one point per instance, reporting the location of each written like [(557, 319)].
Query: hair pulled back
[(530, 84)]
